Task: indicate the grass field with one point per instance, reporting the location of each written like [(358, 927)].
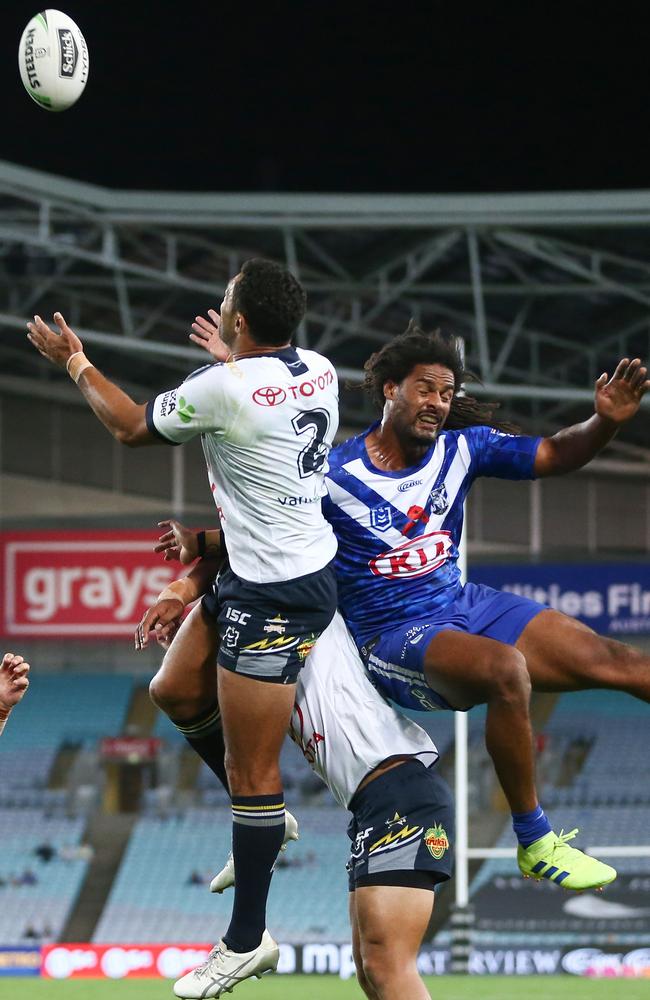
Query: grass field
[(331, 988)]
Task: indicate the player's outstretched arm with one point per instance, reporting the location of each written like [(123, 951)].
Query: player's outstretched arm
[(125, 419), (165, 614), (13, 684), (617, 400), (206, 335)]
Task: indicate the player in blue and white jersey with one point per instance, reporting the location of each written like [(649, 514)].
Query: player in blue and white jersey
[(267, 416), (395, 501)]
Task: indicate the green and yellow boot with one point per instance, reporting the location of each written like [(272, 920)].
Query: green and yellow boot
[(550, 857)]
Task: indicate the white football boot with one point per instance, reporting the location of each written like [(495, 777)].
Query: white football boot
[(225, 969), (226, 877)]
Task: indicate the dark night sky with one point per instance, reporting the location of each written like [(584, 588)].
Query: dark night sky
[(318, 96)]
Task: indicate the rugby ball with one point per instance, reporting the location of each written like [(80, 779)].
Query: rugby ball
[(53, 60)]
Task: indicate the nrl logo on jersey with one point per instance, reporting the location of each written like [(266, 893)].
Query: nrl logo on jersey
[(414, 557), (439, 500), (381, 518)]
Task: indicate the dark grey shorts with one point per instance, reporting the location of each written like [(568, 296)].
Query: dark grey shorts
[(402, 829), (267, 629)]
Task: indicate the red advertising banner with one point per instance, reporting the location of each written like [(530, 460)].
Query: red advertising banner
[(121, 961), (79, 583), (130, 748)]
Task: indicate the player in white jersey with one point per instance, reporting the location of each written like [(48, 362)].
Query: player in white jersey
[(13, 684), (267, 416), (376, 763)]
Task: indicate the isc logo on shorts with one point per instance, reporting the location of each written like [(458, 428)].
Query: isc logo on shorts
[(414, 557)]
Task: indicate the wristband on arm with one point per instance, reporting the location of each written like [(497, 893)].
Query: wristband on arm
[(200, 542)]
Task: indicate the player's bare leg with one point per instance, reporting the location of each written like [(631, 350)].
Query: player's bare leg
[(388, 924), (563, 654), (186, 683), (469, 670)]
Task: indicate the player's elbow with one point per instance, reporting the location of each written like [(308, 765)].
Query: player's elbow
[(133, 436)]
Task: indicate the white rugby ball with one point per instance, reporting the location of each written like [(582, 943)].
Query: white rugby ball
[(53, 60)]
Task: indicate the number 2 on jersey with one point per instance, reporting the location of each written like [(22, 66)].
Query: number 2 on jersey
[(312, 457)]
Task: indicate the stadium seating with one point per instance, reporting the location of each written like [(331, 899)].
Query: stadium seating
[(152, 898), (47, 902)]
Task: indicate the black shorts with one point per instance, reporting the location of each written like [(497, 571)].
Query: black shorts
[(402, 829), (267, 629)]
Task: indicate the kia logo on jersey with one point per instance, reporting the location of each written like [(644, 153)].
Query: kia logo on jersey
[(269, 395), (415, 557)]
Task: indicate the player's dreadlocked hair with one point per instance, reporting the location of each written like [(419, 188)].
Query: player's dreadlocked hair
[(398, 358), (272, 300)]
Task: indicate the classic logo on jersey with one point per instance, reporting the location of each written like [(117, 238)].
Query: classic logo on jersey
[(403, 487), (395, 838), (269, 395), (439, 500), (415, 557), (381, 518), (185, 410), (437, 841)]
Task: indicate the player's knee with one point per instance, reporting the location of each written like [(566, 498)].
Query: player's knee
[(169, 696), (252, 777), (381, 967), (510, 677)]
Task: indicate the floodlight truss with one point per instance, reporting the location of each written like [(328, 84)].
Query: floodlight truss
[(546, 290)]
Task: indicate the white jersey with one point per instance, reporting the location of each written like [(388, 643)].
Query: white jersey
[(343, 726), (267, 424)]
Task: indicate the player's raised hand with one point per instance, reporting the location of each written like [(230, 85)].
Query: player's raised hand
[(13, 680), (177, 542), (56, 347), (618, 398), (164, 618), (206, 335)]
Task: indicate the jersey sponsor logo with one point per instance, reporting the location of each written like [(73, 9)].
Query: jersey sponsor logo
[(168, 403), (439, 500), (309, 746), (437, 841), (381, 518), (297, 501), (395, 838), (234, 615), (403, 487), (415, 557), (306, 646), (185, 410), (425, 699), (269, 395), (309, 386)]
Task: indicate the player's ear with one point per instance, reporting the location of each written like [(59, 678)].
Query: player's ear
[(390, 388)]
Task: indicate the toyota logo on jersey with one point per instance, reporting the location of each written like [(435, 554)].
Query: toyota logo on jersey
[(269, 395), (415, 557)]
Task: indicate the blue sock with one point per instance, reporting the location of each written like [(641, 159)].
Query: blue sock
[(530, 826), (257, 835)]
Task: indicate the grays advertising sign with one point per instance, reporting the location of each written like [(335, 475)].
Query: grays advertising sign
[(609, 597)]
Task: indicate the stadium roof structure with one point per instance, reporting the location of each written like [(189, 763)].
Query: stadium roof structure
[(548, 290)]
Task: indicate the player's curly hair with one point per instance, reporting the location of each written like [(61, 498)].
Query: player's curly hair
[(272, 300), (398, 358)]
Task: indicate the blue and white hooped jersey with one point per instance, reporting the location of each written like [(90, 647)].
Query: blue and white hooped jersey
[(398, 532)]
